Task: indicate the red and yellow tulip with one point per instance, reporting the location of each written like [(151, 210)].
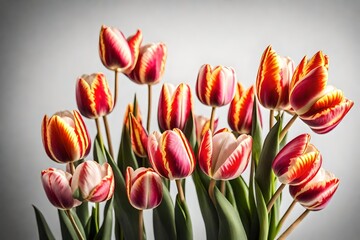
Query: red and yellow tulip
[(320, 106), (150, 65), (143, 187), (222, 156), (272, 81), (93, 182), (57, 187), (139, 136), (215, 86), (202, 125), (297, 162), (65, 137), (316, 194), (93, 96), (175, 106), (170, 154), (116, 52)]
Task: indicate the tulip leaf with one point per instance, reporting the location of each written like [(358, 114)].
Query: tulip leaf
[(262, 213), (126, 156), (90, 227), (189, 130), (67, 229), (98, 151), (164, 218), (229, 194), (264, 174), (82, 211), (106, 227), (182, 220), (230, 225), (207, 208), (43, 228)]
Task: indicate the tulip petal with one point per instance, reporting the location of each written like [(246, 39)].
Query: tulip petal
[(134, 45), (153, 59), (138, 136), (205, 153)]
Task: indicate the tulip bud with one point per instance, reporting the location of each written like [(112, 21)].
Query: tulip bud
[(65, 137), (150, 65), (93, 96), (139, 137), (56, 184), (175, 106), (143, 187), (116, 52), (316, 194), (297, 162), (93, 182), (222, 156), (273, 78), (240, 110), (320, 106), (202, 125), (215, 87), (170, 154)]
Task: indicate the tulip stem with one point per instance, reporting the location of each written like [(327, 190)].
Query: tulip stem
[(212, 185), (116, 86), (222, 187), (212, 116), (99, 134), (108, 136), (294, 225), (72, 220), (149, 109), (271, 119), (286, 214), (287, 127), (72, 168), (141, 224), (180, 190), (274, 197)]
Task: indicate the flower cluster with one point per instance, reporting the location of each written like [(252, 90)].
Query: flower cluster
[(186, 144)]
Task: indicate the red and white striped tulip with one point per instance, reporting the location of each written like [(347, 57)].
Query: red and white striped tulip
[(150, 65), (240, 110), (93, 96), (320, 106), (170, 154), (65, 137), (316, 194), (273, 79), (116, 52), (215, 86), (139, 136), (57, 187), (144, 188), (297, 162), (222, 156), (93, 182), (175, 106), (202, 125)]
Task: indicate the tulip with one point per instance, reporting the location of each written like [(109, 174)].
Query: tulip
[(272, 81), (93, 96), (316, 194), (57, 187), (215, 86), (130, 108), (240, 110), (150, 65), (175, 106), (170, 154), (93, 182), (65, 137), (202, 125), (116, 52), (297, 162), (143, 187), (139, 137), (222, 156), (320, 106)]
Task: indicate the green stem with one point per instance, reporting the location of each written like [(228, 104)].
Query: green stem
[(286, 214), (274, 197), (271, 119), (98, 129), (72, 220), (180, 190), (294, 225), (97, 219), (107, 131), (223, 187), (212, 185), (287, 127), (212, 116), (141, 225), (149, 109)]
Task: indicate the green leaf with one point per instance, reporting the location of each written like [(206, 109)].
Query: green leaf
[(126, 156), (207, 208), (189, 130), (43, 228), (230, 225), (182, 220), (90, 227), (262, 213), (98, 151), (106, 227), (82, 211), (164, 218), (229, 194), (67, 229), (256, 133)]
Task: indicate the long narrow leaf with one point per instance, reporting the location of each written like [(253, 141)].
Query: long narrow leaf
[(182, 220), (262, 213), (67, 229), (43, 228), (105, 230)]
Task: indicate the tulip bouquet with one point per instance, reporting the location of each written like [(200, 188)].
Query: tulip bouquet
[(190, 148)]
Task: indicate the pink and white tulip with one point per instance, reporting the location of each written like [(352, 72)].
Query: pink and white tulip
[(57, 187), (143, 187), (222, 156), (94, 182), (170, 154)]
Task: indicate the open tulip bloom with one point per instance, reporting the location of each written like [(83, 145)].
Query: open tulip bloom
[(186, 149)]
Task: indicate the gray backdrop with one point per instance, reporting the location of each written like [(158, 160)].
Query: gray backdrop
[(46, 45)]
